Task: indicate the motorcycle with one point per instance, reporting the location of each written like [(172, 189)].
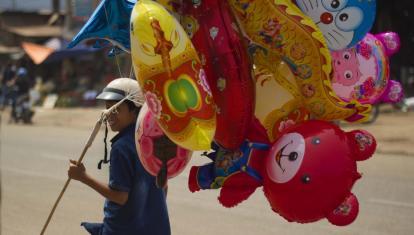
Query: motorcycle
[(22, 110)]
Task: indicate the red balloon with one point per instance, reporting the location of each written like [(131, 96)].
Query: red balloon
[(345, 213), (227, 67), (310, 171)]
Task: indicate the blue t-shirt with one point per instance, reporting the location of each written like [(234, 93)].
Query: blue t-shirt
[(145, 211)]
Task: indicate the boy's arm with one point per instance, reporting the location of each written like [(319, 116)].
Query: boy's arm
[(118, 197), (78, 172)]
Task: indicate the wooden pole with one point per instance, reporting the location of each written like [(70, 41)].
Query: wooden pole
[(85, 149)]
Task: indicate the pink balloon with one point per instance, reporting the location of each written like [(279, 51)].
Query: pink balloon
[(394, 92), (154, 147), (362, 72), (391, 42)]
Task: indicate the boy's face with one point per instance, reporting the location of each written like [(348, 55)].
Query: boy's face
[(121, 117)]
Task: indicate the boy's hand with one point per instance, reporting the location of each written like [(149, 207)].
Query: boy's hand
[(77, 172)]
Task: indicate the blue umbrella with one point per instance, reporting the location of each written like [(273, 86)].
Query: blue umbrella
[(110, 21)]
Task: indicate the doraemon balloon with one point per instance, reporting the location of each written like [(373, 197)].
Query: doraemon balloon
[(343, 22)]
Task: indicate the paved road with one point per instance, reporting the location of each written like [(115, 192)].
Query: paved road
[(34, 160)]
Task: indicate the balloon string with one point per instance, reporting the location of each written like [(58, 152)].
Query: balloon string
[(117, 64), (131, 71), (115, 53)]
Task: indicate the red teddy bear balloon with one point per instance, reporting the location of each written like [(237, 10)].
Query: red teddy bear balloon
[(310, 171)]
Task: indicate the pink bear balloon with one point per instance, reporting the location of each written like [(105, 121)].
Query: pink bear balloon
[(158, 154), (362, 72)]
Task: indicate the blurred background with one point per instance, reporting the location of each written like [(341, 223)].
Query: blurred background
[(34, 35)]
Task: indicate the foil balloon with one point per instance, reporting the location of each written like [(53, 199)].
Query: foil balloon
[(236, 172), (311, 169), (278, 100), (362, 72), (158, 154), (168, 69), (343, 22), (307, 174), (391, 42), (110, 22), (393, 93), (167, 4), (290, 52), (227, 67)]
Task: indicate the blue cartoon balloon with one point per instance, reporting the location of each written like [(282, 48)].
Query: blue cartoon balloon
[(343, 22), (110, 21)]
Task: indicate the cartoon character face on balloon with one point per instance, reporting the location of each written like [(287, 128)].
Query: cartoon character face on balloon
[(346, 67), (190, 25), (362, 72), (343, 22), (310, 170)]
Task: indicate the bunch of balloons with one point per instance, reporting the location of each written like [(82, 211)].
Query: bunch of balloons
[(258, 82)]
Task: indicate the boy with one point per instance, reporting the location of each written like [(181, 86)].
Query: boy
[(134, 205)]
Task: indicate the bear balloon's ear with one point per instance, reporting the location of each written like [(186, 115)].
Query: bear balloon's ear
[(345, 213), (362, 143), (390, 41)]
